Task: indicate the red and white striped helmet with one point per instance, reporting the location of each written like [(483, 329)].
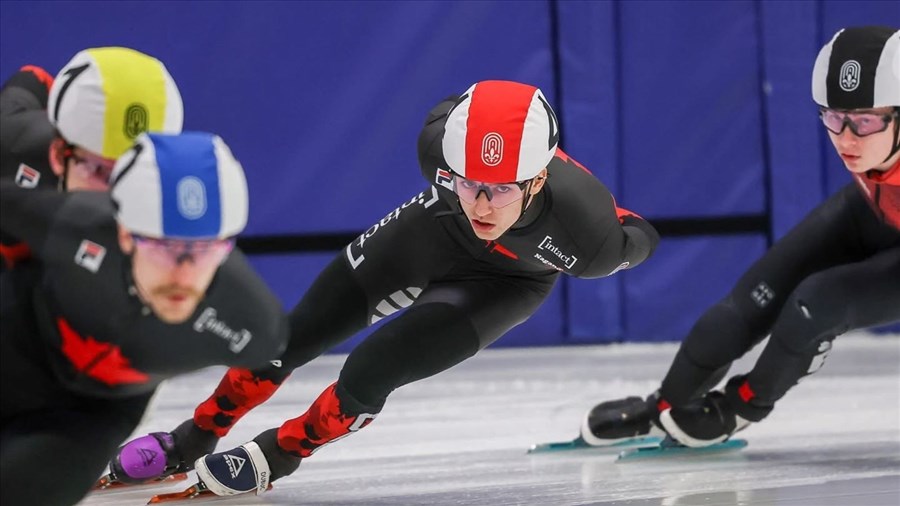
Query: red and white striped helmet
[(500, 132)]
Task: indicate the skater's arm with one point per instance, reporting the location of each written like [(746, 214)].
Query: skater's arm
[(26, 131), (431, 154), (622, 239), (641, 238), (28, 215), (628, 241)]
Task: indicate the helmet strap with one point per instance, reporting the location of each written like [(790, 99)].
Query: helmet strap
[(68, 152), (896, 134), (527, 199), (529, 212)]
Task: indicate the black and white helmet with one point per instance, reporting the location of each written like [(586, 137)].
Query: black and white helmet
[(859, 69)]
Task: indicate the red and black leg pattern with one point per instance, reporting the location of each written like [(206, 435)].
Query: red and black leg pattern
[(239, 391)]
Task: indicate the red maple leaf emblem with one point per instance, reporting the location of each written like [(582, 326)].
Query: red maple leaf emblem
[(102, 361)]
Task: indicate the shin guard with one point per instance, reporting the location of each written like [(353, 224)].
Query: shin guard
[(239, 391), (334, 414)]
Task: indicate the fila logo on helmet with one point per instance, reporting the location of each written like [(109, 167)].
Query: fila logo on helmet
[(849, 76), (492, 149)]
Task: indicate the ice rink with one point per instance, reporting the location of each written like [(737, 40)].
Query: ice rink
[(461, 437)]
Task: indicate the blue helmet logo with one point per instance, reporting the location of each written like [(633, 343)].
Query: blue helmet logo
[(191, 198)]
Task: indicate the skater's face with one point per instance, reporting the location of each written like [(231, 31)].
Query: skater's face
[(172, 276), (862, 137), (82, 169), (493, 208)]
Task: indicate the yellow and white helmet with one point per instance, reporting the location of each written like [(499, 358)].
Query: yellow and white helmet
[(105, 97)]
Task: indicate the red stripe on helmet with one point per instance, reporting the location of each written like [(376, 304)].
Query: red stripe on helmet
[(494, 129)]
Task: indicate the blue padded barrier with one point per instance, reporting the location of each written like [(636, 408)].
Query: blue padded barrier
[(684, 109), (686, 276)]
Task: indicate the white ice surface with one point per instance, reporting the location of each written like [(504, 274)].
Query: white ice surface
[(460, 437)]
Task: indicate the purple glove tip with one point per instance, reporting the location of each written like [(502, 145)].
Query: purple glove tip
[(144, 457)]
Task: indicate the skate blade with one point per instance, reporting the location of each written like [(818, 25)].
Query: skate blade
[(669, 448), (196, 491), (108, 483), (580, 444)]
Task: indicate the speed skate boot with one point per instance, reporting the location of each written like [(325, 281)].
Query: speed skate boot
[(250, 467), (612, 422), (708, 421), (148, 457), (160, 454)]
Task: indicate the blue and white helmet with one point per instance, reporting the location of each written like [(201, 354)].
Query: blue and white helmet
[(184, 186)]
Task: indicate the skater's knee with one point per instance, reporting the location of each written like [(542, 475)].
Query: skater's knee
[(371, 374), (425, 341), (811, 316), (720, 335)]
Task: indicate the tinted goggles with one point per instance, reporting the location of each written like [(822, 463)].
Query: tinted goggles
[(861, 123), (498, 194), (90, 167), (172, 252)]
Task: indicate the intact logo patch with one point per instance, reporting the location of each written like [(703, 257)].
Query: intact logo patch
[(492, 149), (849, 77), (567, 259), (137, 120), (27, 177), (90, 255), (208, 321)]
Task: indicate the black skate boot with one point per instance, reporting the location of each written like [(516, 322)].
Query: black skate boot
[(612, 422), (707, 422)]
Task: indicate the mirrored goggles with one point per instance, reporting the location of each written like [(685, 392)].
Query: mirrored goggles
[(861, 124), (498, 194), (172, 252)]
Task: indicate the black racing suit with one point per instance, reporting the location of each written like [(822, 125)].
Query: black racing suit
[(457, 294), (25, 136), (838, 270), (81, 354)]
